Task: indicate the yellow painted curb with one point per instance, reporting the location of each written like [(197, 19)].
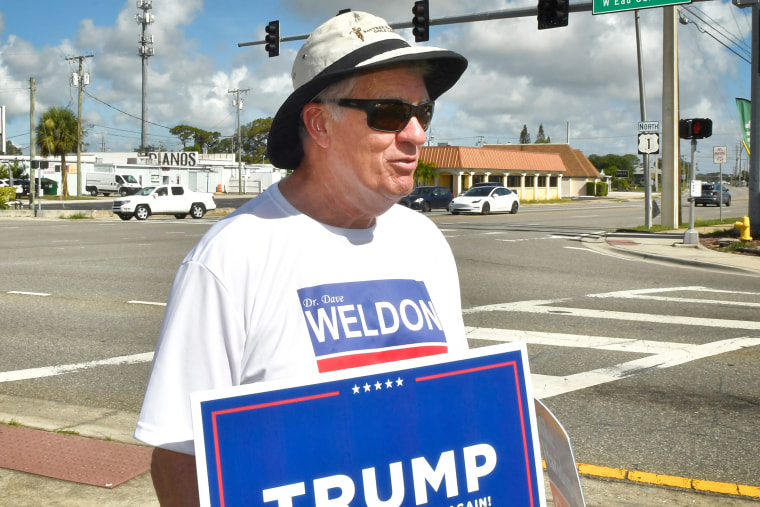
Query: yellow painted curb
[(753, 491), (725, 488), (662, 480), (597, 471)]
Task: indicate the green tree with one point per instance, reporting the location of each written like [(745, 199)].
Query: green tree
[(425, 172), (184, 132), (10, 149), (12, 167), (524, 136), (254, 140), (57, 135), (541, 137)]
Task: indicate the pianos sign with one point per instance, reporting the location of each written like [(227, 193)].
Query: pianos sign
[(174, 158)]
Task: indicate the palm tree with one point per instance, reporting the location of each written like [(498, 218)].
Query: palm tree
[(57, 135), (425, 172)]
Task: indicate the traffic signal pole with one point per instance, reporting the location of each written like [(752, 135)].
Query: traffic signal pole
[(754, 134), (691, 236)]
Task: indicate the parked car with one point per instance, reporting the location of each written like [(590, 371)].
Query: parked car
[(176, 200), (485, 200), (6, 182), (427, 198), (711, 194), (487, 184)]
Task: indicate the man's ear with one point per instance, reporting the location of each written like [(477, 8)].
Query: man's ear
[(315, 119)]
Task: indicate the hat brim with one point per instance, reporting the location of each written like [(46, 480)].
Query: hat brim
[(445, 68)]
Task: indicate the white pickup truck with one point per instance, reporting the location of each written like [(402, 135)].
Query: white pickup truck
[(175, 200)]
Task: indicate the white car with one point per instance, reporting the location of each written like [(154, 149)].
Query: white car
[(175, 200), (485, 200), (6, 182)]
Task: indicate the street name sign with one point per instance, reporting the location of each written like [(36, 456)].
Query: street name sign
[(452, 429), (608, 6)]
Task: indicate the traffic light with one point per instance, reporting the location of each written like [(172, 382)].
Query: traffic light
[(553, 13), (695, 128), (421, 21), (273, 38)]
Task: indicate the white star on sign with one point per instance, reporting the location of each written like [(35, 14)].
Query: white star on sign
[(388, 384), (399, 382), (355, 389), (378, 386), (366, 387)]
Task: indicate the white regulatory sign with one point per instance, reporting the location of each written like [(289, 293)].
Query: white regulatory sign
[(649, 143), (649, 126), (720, 155)]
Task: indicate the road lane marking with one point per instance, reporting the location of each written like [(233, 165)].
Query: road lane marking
[(49, 371), (151, 303), (43, 294), (600, 253)]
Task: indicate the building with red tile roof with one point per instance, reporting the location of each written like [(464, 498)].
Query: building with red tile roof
[(539, 174)]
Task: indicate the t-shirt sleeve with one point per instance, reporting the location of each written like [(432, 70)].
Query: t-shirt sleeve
[(199, 348)]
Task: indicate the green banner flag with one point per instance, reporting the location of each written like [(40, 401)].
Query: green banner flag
[(745, 114)]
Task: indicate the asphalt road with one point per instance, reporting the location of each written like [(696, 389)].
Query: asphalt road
[(642, 362)]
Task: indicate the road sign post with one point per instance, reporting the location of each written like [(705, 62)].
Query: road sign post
[(720, 157)]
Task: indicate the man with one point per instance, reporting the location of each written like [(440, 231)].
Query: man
[(321, 272)]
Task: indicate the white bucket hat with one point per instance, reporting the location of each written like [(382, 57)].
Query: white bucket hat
[(348, 44)]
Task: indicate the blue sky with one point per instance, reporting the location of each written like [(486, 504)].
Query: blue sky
[(580, 80)]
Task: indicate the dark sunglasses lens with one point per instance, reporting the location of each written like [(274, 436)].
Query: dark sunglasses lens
[(425, 114), (390, 116)]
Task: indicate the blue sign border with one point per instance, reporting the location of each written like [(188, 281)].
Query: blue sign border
[(469, 417)]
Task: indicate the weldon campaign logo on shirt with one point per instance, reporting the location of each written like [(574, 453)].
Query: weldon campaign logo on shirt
[(359, 323)]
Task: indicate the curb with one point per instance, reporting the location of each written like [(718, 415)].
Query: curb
[(687, 262), (636, 476)]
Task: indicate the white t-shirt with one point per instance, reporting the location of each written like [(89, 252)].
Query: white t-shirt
[(269, 293)]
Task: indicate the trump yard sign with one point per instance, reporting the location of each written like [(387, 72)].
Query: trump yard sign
[(447, 430)]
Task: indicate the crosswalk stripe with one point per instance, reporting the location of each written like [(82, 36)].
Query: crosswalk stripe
[(541, 308), (571, 340)]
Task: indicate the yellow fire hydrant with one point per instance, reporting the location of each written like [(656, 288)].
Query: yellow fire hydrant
[(743, 227)]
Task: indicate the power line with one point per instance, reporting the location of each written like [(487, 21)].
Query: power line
[(123, 112)]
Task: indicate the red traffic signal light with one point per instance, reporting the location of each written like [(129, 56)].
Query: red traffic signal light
[(553, 13), (695, 128), (421, 21), (272, 38)]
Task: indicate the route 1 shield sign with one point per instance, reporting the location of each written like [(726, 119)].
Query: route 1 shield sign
[(649, 143), (442, 430)]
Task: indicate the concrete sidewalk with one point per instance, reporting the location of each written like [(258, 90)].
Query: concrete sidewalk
[(23, 489), (669, 247)]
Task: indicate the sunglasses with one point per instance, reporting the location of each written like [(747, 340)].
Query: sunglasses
[(389, 115)]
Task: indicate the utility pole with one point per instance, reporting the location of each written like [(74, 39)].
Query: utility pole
[(671, 175), (32, 154), (79, 81), (144, 51), (238, 103)]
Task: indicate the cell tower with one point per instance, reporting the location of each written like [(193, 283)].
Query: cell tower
[(144, 51)]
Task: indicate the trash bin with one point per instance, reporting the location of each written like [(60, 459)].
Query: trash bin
[(49, 187)]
